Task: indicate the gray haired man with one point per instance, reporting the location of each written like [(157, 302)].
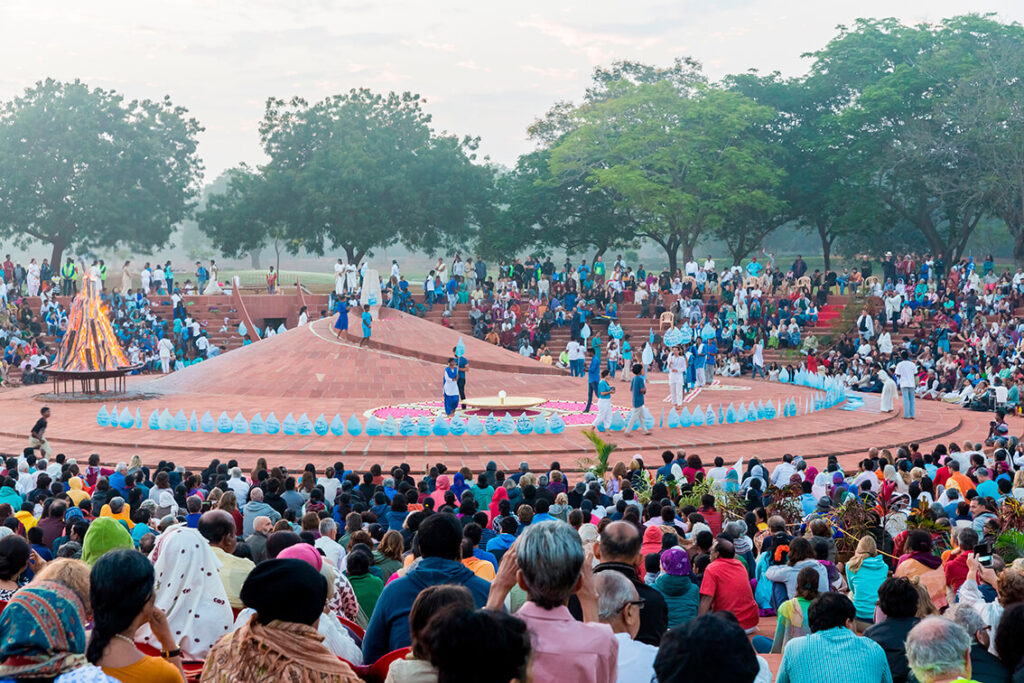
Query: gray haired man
[(939, 651)]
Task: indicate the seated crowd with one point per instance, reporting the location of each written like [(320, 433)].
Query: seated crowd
[(883, 573)]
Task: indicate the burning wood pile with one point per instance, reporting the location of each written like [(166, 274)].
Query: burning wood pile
[(90, 344)]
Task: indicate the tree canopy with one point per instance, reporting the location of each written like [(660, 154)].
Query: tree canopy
[(85, 168)]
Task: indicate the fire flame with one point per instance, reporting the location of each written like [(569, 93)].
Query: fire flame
[(90, 343)]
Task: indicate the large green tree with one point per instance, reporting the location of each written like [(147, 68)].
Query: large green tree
[(897, 124), (85, 168), (363, 170), (681, 162)]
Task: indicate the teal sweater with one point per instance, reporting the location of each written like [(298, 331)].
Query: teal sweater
[(864, 584), (682, 597)]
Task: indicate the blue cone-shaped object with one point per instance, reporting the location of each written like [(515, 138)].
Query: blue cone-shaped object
[(721, 415), (709, 417), (457, 426), (305, 425), (524, 425), (406, 427), (673, 418), (698, 417), (257, 425), (475, 426), (193, 422), (240, 424), (423, 426), (556, 425), (337, 425), (138, 419), (373, 426), (730, 415), (648, 421), (354, 426), (243, 331), (661, 420), (741, 414), (507, 425), (491, 425), (540, 425), (685, 418), (390, 427), (321, 426), (127, 420), (154, 420), (180, 421), (440, 427), (103, 416), (166, 420), (272, 424), (112, 420), (460, 348), (224, 423), (290, 426), (207, 424), (618, 422)]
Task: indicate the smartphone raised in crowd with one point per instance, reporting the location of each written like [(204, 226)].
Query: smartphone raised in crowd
[(983, 551)]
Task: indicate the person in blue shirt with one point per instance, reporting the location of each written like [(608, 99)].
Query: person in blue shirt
[(665, 471), (341, 324), (367, 320), (754, 268), (638, 386), (593, 377), (604, 401), (503, 541)]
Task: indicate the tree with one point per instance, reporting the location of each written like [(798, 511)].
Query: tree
[(680, 164), (362, 170), (897, 123), (246, 217), (84, 168)]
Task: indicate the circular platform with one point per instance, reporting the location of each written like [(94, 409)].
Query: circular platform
[(308, 371)]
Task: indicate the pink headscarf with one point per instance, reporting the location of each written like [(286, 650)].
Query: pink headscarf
[(443, 484), (304, 552)]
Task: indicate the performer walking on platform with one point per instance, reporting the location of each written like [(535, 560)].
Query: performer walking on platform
[(450, 387), (341, 324)]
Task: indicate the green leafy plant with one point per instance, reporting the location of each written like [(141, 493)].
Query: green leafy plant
[(600, 464), (1010, 544)]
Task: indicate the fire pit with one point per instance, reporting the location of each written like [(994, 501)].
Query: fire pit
[(90, 353)]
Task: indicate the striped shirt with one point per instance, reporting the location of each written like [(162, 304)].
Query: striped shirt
[(835, 655)]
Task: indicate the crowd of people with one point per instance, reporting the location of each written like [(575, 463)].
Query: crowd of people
[(664, 572)]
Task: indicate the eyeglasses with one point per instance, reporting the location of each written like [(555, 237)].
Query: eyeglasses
[(639, 603)]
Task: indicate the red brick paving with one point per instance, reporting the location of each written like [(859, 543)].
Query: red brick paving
[(308, 371)]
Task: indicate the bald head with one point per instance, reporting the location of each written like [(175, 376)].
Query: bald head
[(724, 548), (620, 542), (262, 525), (218, 527), (256, 494)]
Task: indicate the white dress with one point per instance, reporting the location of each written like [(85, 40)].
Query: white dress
[(888, 391), (339, 279), (213, 287), (33, 279)]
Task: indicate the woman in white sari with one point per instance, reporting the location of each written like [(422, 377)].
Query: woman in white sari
[(189, 591), (214, 286), (888, 391), (126, 278), (32, 278)]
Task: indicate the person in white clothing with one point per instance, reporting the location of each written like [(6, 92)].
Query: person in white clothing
[(888, 391), (618, 605), (339, 278), (757, 360), (166, 350), (906, 376), (676, 376)]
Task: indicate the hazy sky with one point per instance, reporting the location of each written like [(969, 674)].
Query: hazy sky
[(486, 68)]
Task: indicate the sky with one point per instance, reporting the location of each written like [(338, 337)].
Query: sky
[(486, 69)]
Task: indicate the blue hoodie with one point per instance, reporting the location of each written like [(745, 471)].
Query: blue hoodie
[(388, 629)]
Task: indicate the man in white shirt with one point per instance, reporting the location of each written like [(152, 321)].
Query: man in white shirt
[(239, 486), (866, 325), (333, 551), (691, 268), (575, 351), (166, 350), (906, 378), (618, 605), (202, 345), (783, 471)]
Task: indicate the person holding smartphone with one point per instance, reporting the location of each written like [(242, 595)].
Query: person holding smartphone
[(1009, 585)]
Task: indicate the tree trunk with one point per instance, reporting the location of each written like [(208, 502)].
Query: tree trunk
[(1018, 241), (56, 254), (826, 244), (254, 259)]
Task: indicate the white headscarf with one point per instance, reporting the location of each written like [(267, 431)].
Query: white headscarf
[(189, 591), (819, 487)]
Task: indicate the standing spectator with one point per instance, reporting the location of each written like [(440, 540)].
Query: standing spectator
[(827, 654), (906, 375)]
